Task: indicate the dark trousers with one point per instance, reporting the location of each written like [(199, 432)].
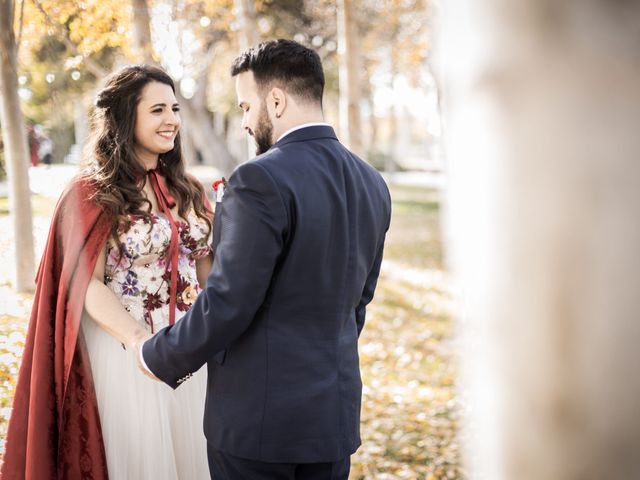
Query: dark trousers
[(227, 467)]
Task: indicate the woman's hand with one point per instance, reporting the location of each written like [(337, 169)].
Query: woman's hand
[(137, 348)]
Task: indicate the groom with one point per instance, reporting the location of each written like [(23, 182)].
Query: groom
[(299, 238)]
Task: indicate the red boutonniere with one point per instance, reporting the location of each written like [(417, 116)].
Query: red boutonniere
[(219, 186)]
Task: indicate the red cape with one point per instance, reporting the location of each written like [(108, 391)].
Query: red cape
[(54, 430)]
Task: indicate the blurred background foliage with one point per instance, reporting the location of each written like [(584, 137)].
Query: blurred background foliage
[(67, 47)]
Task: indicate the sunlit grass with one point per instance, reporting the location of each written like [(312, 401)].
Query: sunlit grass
[(414, 236), (409, 416), (40, 205)]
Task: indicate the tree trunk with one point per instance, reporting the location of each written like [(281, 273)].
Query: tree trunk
[(542, 107), (80, 121), (349, 78), (246, 17), (198, 125), (142, 32), (392, 157), (247, 37), (199, 132), (368, 118), (16, 152)]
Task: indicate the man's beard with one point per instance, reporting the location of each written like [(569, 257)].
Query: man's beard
[(263, 134)]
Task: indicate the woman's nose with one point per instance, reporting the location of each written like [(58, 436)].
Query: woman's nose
[(173, 118)]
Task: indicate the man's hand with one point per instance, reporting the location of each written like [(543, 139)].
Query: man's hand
[(137, 348)]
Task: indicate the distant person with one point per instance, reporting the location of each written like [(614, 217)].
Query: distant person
[(127, 254), (45, 148), (299, 236), (32, 140)]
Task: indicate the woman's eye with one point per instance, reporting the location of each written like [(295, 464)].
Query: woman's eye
[(157, 110), (176, 109)]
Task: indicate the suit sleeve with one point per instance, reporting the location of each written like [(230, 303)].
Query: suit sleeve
[(369, 289), (253, 224), (372, 277)]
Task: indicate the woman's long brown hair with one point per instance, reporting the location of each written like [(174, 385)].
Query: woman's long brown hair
[(110, 162)]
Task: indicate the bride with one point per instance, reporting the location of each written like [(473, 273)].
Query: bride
[(126, 256)]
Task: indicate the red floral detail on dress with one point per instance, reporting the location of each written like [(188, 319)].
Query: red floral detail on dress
[(137, 269)]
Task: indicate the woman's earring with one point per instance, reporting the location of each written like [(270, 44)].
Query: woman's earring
[(277, 115)]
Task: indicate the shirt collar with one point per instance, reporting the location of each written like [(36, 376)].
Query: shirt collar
[(304, 125)]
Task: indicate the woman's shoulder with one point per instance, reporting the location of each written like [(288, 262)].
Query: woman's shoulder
[(81, 190), (78, 216), (80, 183)]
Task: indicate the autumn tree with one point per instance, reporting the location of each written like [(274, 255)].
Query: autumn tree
[(67, 48), (207, 22), (141, 24), (390, 39), (247, 25), (92, 38), (394, 42)]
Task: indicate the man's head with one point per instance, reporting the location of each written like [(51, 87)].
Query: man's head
[(279, 85)]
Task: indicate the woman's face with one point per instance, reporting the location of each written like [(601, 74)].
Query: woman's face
[(157, 122)]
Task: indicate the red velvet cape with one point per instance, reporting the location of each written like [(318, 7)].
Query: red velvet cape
[(54, 429)]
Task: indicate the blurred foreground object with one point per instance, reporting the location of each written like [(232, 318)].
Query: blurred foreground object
[(542, 107)]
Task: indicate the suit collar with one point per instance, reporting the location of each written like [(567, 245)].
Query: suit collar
[(298, 127), (307, 133)]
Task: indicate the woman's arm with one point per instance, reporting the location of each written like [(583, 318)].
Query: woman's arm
[(105, 308), (203, 267)]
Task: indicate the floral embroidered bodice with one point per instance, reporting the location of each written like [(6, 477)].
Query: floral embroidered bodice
[(138, 272)]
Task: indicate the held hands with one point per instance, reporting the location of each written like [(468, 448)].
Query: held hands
[(136, 347)]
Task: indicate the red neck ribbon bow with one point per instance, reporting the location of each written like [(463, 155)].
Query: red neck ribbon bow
[(165, 203)]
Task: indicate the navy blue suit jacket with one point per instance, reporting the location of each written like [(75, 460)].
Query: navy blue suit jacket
[(299, 238)]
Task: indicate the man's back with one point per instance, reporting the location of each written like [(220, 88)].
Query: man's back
[(289, 388)]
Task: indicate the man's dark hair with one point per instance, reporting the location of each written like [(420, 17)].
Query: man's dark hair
[(292, 66)]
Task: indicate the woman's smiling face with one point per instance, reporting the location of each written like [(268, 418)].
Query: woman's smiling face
[(157, 122)]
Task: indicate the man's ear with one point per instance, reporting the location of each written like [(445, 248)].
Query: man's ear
[(277, 100)]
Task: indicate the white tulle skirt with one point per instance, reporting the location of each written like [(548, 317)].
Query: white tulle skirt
[(150, 431)]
